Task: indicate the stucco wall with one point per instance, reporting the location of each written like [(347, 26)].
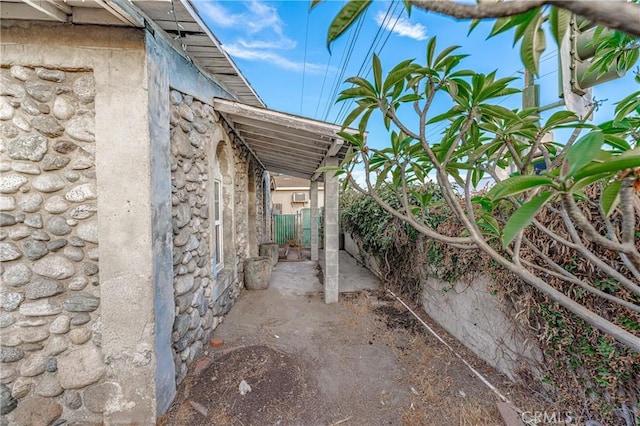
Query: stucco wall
[(103, 104), (473, 315), (115, 348)]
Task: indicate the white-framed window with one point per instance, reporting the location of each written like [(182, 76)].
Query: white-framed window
[(217, 237)]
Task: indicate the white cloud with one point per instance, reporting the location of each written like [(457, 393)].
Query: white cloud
[(215, 13), (282, 44), (238, 51), (402, 27)]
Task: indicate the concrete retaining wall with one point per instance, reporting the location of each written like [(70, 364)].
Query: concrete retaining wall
[(473, 315)]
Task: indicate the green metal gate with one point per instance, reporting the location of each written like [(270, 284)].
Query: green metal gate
[(296, 228), (284, 228)]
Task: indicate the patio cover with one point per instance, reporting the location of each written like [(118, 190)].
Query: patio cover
[(284, 143)]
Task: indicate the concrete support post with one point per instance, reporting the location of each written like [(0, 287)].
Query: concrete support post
[(331, 231), (313, 197)]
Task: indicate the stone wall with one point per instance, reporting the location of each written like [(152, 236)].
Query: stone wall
[(202, 298), (50, 321)]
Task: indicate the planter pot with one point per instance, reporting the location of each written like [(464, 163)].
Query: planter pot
[(257, 272), (270, 250)]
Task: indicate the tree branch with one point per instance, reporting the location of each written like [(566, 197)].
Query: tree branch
[(617, 15)]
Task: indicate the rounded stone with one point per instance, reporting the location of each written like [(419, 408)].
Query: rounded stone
[(56, 205), (60, 325), (52, 365), (41, 92), (56, 244), (7, 375), (21, 387), (34, 335), (11, 301), (72, 399), (9, 251), (88, 231), (64, 147), (47, 126), (43, 287), (33, 366), (48, 386), (93, 253), (16, 275), (57, 345), (81, 128), (63, 108), (76, 242), (56, 267), (82, 193), (78, 336), (57, 76), (6, 320), (175, 97), (48, 183), (81, 302), (37, 410), (78, 283), (19, 231), (90, 268), (57, 225), (74, 253), (71, 176), (30, 107), (83, 211), (9, 131), (7, 219), (34, 221), (54, 162), (30, 203), (25, 168), (34, 249), (80, 368), (6, 110), (21, 123), (11, 340), (80, 318), (29, 147), (40, 308), (21, 73), (11, 183), (84, 88), (7, 202), (7, 402)]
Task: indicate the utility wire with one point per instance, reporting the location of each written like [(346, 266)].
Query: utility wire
[(304, 62), (346, 56)]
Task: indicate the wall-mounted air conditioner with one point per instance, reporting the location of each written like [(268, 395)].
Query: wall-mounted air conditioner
[(299, 197)]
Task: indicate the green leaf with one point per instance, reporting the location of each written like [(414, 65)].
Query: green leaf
[(314, 3), (612, 166), (559, 19), (524, 216), (532, 41), (516, 184), (609, 198), (583, 151), (431, 48), (345, 18), (377, 73), (560, 117), (353, 115)]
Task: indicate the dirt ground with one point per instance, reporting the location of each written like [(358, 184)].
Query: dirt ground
[(363, 361)]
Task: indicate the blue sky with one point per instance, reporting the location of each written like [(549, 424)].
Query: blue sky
[(280, 47)]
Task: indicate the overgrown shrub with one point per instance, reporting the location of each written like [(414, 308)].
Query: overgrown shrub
[(585, 371)]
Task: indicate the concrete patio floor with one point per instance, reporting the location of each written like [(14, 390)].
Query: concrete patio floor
[(359, 382)]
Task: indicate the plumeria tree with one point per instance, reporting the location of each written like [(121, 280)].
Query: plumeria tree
[(587, 181)]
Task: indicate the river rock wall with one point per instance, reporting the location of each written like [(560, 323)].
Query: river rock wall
[(50, 323)]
